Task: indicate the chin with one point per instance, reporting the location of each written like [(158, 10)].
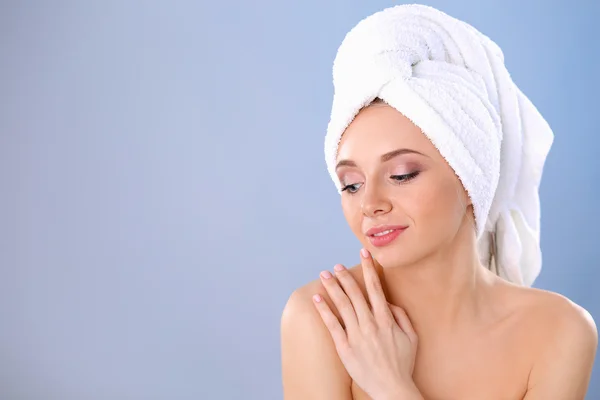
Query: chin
[(391, 256), (400, 253)]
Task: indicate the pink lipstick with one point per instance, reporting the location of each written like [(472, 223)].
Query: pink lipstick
[(384, 234)]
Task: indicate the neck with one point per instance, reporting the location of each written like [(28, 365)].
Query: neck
[(443, 290)]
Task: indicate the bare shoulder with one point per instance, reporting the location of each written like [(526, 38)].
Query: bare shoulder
[(300, 301), (563, 339), (311, 368), (556, 315)]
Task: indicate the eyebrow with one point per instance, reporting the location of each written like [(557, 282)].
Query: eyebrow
[(385, 157)]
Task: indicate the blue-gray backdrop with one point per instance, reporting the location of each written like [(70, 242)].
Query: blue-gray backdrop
[(163, 188)]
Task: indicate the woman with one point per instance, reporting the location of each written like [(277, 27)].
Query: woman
[(438, 157)]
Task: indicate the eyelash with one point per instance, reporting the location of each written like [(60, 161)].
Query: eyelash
[(400, 178)]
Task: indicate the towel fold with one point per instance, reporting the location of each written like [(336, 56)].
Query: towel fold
[(450, 80)]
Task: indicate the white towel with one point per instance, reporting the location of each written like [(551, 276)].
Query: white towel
[(450, 80)]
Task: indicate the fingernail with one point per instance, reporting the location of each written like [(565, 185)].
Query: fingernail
[(317, 298), (364, 253), (326, 274), (339, 267)]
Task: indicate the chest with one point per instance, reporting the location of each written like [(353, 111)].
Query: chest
[(469, 369)]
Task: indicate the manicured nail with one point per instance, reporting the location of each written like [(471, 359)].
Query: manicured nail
[(326, 274), (317, 298), (364, 253), (338, 267)]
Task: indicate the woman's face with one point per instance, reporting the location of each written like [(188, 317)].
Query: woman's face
[(392, 175)]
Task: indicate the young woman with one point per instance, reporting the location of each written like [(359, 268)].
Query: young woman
[(438, 157)]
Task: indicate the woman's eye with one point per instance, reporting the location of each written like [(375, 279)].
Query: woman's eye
[(405, 177), (351, 188)]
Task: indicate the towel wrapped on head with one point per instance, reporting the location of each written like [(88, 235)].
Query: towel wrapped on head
[(450, 80)]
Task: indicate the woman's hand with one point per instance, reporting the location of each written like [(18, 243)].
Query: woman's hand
[(378, 345)]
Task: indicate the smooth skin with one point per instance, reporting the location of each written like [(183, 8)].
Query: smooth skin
[(376, 342), (479, 337)]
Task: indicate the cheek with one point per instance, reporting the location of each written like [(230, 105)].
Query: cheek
[(436, 205), (353, 214)]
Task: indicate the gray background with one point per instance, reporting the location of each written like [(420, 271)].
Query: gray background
[(164, 188)]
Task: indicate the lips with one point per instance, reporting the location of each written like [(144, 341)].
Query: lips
[(383, 235), (381, 229)]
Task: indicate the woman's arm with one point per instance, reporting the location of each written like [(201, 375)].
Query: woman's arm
[(311, 368), (564, 369)]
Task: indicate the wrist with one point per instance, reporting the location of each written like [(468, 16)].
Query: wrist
[(408, 391)]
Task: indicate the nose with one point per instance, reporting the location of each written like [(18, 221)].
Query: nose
[(375, 200)]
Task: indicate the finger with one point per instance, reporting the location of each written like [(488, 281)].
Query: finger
[(339, 300), (352, 290), (374, 289), (403, 321), (331, 322)]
